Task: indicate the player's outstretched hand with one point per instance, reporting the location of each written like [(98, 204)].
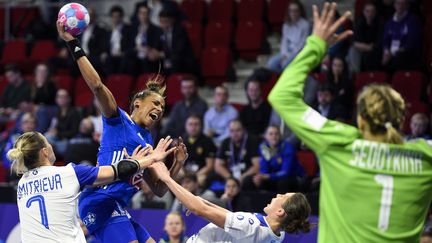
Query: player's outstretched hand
[(161, 151), (181, 153), (62, 33), (325, 26), (140, 154), (161, 171)]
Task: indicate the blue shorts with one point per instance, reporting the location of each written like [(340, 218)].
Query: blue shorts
[(122, 232)]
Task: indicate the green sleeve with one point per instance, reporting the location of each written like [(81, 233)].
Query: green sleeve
[(286, 97)]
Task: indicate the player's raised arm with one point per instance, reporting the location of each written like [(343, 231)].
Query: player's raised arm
[(108, 105), (195, 204), (287, 95)]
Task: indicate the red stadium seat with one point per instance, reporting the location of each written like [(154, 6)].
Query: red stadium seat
[(43, 50), (251, 10), (2, 22), (365, 78), (249, 39), (173, 86), (410, 84), (267, 86), (63, 82), (358, 8), (309, 162), (194, 9), (215, 64), (3, 84), (3, 172), (238, 106), (221, 10), (83, 96), (320, 77), (218, 34), (14, 51), (21, 18), (277, 10), (194, 30), (120, 86)]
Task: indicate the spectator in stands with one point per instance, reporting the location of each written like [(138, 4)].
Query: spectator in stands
[(93, 40), (146, 36), (145, 198), (82, 148), (174, 228), (201, 149), (233, 197), (28, 124), (217, 118), (119, 43), (256, 114), (190, 183), (192, 103), (280, 170), (366, 50), (419, 126), (340, 83), (177, 53), (44, 90), (17, 91), (156, 6), (294, 32), (426, 236), (43, 96), (326, 105), (66, 123), (238, 155), (402, 43)]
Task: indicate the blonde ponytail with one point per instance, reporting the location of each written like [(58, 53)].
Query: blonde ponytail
[(16, 156), (384, 110), (25, 152)]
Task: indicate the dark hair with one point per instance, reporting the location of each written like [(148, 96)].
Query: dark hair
[(297, 210), (196, 116), (301, 8), (236, 120), (189, 78), (154, 85), (117, 9), (167, 13), (231, 178), (190, 176), (325, 87), (25, 152), (345, 73), (11, 67)]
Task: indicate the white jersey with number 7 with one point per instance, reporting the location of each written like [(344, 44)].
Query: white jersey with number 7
[(47, 202)]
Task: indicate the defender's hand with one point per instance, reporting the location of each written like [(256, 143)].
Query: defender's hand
[(62, 32), (325, 26)]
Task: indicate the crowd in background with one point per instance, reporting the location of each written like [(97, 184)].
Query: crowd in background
[(234, 151)]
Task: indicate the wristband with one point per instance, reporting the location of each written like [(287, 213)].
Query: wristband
[(75, 49)]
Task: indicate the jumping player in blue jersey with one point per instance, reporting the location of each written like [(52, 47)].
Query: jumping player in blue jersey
[(105, 205)]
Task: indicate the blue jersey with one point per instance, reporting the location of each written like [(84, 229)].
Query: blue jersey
[(118, 132)]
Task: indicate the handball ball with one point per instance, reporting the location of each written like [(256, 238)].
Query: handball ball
[(75, 18)]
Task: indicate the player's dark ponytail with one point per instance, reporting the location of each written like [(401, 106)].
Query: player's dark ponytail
[(297, 210)]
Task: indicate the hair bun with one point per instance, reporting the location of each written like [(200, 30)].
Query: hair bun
[(305, 226), (15, 154)]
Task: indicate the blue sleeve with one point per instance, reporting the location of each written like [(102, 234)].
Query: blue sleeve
[(386, 37), (116, 119), (288, 158), (263, 163), (85, 174)]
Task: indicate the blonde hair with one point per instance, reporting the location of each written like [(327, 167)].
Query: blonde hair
[(25, 152), (384, 110), (153, 85)]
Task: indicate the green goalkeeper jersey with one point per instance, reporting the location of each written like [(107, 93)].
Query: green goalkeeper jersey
[(370, 191)]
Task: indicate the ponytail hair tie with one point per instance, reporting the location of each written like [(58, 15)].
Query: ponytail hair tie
[(388, 125)]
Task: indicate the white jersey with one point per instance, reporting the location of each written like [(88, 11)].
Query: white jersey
[(47, 203), (240, 227)]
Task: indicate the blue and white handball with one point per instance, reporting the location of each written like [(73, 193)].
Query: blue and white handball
[(75, 18)]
